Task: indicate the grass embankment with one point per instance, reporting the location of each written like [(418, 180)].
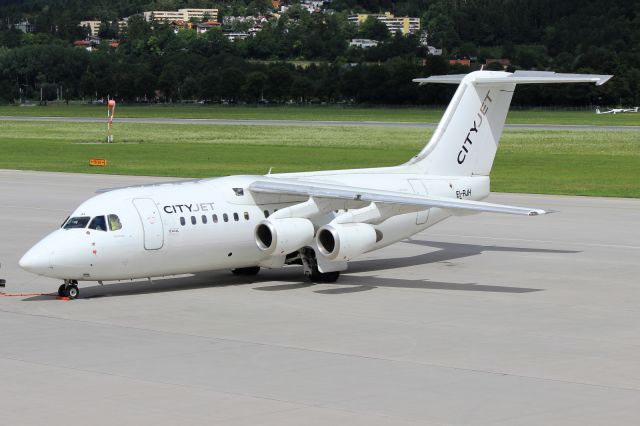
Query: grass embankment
[(552, 162), (320, 113)]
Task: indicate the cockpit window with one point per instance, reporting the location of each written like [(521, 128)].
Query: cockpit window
[(114, 222), (98, 223), (65, 221), (77, 222)]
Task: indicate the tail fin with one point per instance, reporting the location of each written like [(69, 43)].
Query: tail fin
[(467, 138)]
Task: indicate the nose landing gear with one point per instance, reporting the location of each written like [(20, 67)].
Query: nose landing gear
[(69, 289)]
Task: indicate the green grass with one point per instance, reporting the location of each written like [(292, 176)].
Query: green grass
[(553, 162), (330, 113)]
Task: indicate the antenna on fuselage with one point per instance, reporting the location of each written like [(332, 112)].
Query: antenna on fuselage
[(269, 172)]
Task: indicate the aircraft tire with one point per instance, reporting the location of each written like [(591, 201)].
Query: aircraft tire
[(252, 270), (72, 291), (61, 290), (323, 277), (330, 277)]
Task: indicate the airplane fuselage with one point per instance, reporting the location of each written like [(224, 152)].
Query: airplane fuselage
[(209, 224)]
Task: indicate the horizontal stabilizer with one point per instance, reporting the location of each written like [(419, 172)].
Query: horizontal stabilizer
[(323, 190), (518, 77)]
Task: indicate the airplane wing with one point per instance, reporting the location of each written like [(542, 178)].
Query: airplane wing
[(519, 77), (369, 195)]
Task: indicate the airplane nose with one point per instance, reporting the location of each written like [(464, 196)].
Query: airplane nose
[(37, 260)]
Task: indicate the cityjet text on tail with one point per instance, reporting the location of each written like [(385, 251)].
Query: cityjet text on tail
[(317, 220)]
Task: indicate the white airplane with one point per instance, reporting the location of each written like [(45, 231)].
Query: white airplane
[(319, 220), (616, 110)]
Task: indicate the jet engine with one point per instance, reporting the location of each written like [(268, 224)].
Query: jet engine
[(283, 236), (347, 240)]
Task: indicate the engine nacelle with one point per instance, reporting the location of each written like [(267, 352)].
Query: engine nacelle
[(283, 236), (346, 240)]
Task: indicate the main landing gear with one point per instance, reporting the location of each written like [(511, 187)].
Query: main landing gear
[(315, 276), (69, 289), (311, 271)]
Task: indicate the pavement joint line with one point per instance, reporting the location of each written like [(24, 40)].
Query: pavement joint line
[(352, 355), (162, 382)]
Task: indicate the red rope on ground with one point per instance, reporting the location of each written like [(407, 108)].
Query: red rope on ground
[(32, 294)]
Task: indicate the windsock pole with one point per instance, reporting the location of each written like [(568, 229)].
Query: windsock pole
[(111, 110)]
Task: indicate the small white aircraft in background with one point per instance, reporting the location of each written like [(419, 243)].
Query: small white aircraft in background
[(616, 110), (319, 220)]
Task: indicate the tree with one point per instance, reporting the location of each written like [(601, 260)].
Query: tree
[(279, 78), (169, 81), (190, 88), (231, 83), (254, 85), (302, 88), (374, 29)]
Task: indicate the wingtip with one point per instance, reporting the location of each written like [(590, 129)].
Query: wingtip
[(541, 212), (603, 79)]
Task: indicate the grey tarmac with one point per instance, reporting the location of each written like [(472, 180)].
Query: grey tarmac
[(220, 122), (480, 320)]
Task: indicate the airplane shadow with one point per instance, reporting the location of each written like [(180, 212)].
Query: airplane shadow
[(348, 282), (446, 252)]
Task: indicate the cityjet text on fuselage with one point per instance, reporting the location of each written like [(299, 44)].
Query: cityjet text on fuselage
[(484, 108), (188, 208)]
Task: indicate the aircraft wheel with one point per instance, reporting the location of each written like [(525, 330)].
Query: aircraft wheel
[(252, 270), (323, 277), (61, 290), (72, 291), (330, 277)]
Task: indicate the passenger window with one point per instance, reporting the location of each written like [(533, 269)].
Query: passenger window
[(98, 223), (236, 217), (225, 217), (182, 221), (215, 218), (77, 222), (204, 219), (193, 220), (114, 222), (266, 214), (246, 215)]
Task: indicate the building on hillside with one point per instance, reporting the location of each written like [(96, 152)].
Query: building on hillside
[(405, 25), (312, 6), (363, 43), (434, 51), (91, 43), (466, 62), (181, 15), (233, 36), (94, 26), (203, 27), (25, 26)]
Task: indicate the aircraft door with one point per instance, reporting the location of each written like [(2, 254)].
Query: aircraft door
[(151, 223), (418, 187)]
